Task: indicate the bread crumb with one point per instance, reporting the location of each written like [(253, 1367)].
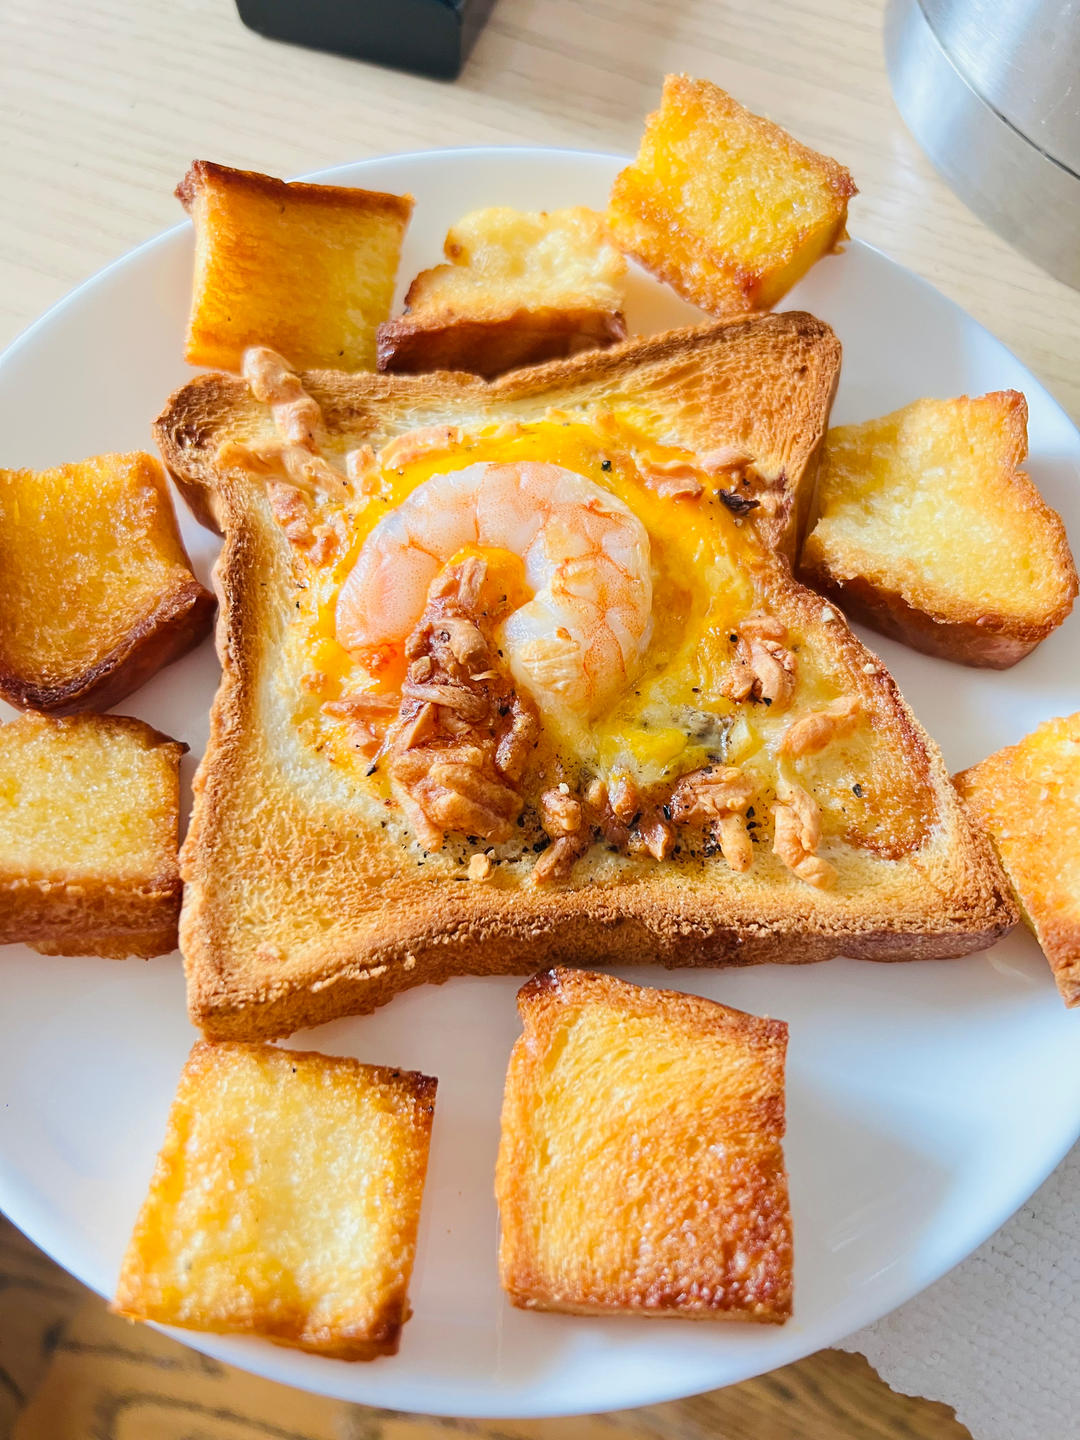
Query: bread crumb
[(870, 669), (828, 614), (480, 867)]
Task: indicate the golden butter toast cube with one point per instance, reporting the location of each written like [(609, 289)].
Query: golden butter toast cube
[(308, 270), (640, 1167), (89, 827), (724, 205), (928, 530), (521, 287), (285, 1202), (97, 587), (1028, 797)]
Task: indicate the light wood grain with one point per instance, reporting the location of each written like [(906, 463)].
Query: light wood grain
[(102, 107)]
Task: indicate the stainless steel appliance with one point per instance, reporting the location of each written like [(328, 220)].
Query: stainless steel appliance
[(991, 91)]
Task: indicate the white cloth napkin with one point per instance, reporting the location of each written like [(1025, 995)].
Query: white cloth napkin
[(998, 1338)]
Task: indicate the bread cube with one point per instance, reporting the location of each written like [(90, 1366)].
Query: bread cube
[(285, 1202), (97, 587), (520, 287), (725, 206), (640, 1169), (308, 270), (1028, 797), (89, 825), (928, 530)]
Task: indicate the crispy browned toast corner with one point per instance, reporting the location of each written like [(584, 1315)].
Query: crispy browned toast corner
[(926, 528), (319, 1247), (520, 288), (640, 1169), (89, 827), (1027, 796), (97, 586)]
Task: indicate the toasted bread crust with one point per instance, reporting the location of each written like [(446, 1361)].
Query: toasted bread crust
[(991, 641), (687, 1212), (413, 344), (101, 919), (232, 996), (379, 202), (385, 923), (224, 1088), (60, 911), (764, 384), (871, 586), (156, 613), (182, 621), (1027, 796)]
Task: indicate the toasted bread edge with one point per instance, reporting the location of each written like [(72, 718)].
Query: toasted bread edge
[(964, 634), (181, 620), (384, 1334), (539, 1001), (100, 918)]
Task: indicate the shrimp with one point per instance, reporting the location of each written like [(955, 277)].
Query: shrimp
[(586, 558)]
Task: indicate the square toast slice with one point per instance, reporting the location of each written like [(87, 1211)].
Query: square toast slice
[(927, 529), (306, 269), (1027, 797), (98, 590), (89, 828), (311, 891), (640, 1167), (724, 205), (285, 1201), (521, 287)]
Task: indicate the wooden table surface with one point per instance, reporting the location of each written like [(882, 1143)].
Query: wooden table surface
[(102, 107)]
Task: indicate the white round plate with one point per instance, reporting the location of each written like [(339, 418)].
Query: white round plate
[(925, 1101)]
